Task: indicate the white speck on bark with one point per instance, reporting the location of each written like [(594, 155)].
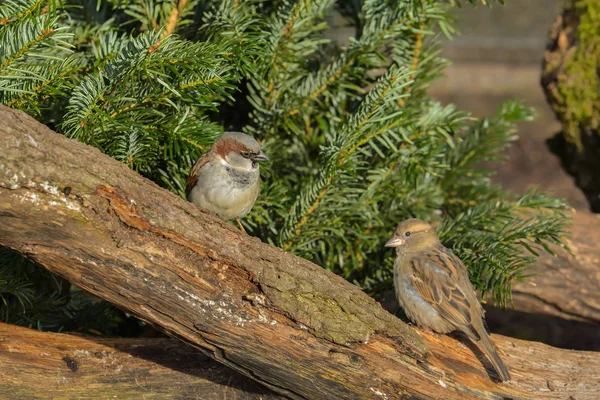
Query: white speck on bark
[(33, 142), (29, 197), (49, 188), (13, 182), (220, 310), (37, 200), (442, 384), (378, 393)]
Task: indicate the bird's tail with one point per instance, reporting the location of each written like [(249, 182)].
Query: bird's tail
[(490, 350)]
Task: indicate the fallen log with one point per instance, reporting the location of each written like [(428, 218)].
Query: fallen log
[(287, 323), (52, 365), (567, 286), (560, 304)]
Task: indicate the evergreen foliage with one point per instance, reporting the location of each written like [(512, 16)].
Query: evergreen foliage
[(356, 143)]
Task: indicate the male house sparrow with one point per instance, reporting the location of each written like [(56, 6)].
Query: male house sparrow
[(226, 180), (433, 287)]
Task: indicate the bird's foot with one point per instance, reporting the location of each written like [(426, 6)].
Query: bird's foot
[(241, 226)]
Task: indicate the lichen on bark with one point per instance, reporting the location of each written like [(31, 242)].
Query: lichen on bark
[(571, 76)]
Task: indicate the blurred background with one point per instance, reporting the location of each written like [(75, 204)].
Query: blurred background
[(498, 56)]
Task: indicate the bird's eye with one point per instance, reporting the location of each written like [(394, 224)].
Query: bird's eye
[(246, 154), (407, 234)]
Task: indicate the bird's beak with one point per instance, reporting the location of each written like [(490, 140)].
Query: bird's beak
[(260, 157), (395, 242)]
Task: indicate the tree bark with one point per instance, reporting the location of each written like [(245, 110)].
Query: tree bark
[(38, 365), (560, 304), (567, 286), (570, 82), (287, 323)]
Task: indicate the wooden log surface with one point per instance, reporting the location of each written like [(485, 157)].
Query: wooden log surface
[(50, 365), (279, 319), (41, 365), (567, 286), (560, 304)]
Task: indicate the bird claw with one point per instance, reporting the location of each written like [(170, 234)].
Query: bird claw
[(241, 226)]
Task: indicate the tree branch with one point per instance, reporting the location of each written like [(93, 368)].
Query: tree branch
[(279, 319), (567, 286), (174, 16), (50, 365)]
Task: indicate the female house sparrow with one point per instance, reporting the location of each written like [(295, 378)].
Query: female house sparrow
[(433, 287), (226, 180)]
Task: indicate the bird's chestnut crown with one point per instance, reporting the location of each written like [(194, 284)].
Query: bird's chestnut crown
[(240, 151)]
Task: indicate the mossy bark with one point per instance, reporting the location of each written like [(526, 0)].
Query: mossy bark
[(571, 70), (571, 82)]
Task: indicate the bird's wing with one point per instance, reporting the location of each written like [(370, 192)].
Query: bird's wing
[(437, 276), (193, 176)]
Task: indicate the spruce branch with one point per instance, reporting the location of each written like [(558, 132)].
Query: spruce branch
[(356, 59), (29, 37), (12, 11), (174, 17), (340, 150), (492, 236)]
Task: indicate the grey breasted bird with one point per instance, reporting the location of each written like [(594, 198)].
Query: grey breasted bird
[(226, 179), (433, 287)]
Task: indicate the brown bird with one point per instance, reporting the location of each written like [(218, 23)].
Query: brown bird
[(433, 287), (226, 179)]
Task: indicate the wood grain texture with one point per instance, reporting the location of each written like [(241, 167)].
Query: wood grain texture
[(41, 365), (279, 319), (567, 286)]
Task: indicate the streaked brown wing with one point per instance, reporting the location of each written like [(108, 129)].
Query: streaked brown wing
[(193, 176), (435, 276)]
